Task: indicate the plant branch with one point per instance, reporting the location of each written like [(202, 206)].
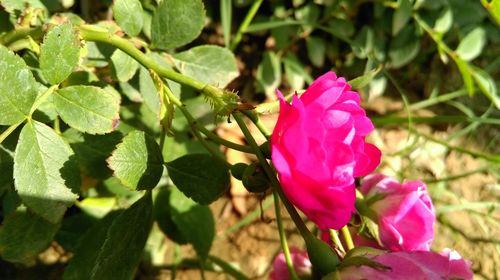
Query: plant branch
[(91, 33), (284, 243), (304, 231), (246, 22)]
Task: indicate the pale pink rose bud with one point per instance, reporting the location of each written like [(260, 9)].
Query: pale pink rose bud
[(404, 212), (301, 264), (416, 265), (318, 147)]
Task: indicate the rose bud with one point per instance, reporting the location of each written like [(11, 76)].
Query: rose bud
[(301, 265), (318, 147), (404, 212)]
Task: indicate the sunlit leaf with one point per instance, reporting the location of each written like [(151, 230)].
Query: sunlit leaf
[(59, 53), (87, 108), (128, 15), (176, 23), (45, 171), (18, 88), (137, 161), (208, 64)]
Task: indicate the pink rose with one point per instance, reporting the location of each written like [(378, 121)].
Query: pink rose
[(300, 261), (405, 214), (318, 147), (417, 265)]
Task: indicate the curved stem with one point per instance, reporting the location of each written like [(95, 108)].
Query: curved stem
[(284, 243), (192, 123), (90, 33), (254, 117), (304, 231), (214, 137), (246, 22)]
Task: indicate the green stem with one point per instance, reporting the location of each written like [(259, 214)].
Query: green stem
[(392, 120), (347, 237), (91, 33), (193, 123), (284, 243), (334, 236), (488, 157), (41, 99), (403, 96), (21, 33), (437, 100), (254, 117), (456, 177), (246, 22), (8, 131), (304, 231)]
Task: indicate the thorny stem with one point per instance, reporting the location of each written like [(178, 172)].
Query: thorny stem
[(192, 124), (254, 117), (284, 243), (91, 33), (246, 22)]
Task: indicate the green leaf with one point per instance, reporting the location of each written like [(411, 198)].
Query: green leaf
[(124, 66), (45, 173), (72, 229), (316, 50), (200, 177), (269, 73), (128, 15), (464, 69), (444, 21), (341, 28), (295, 73), (208, 64), (471, 45), (93, 150), (195, 222), (364, 42), (401, 16), (226, 14), (59, 53), (163, 215), (112, 248), (404, 47), (176, 23), (24, 235), (308, 14), (362, 81), (486, 84), (87, 108), (18, 88), (6, 167), (261, 26), (137, 161)]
